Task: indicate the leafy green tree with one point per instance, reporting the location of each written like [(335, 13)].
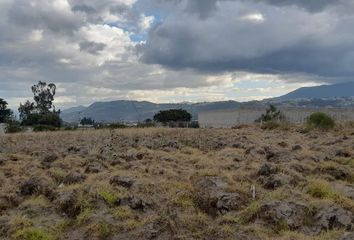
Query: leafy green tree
[(44, 96), (26, 110), (173, 115), (5, 113)]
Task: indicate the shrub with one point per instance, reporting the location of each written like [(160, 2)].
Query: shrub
[(44, 128), (272, 114), (52, 119), (117, 126), (194, 124), (173, 115), (320, 189), (13, 127), (33, 234), (70, 128), (321, 120)]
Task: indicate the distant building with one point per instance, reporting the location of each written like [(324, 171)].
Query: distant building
[(230, 118), (85, 126)]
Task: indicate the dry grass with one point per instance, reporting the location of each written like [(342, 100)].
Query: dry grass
[(164, 164)]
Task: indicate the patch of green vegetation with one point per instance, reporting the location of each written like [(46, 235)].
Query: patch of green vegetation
[(58, 175), (184, 201), (123, 213), (320, 189), (83, 201), (281, 226), (194, 221), (321, 121), (278, 194), (33, 234), (61, 226), (249, 213), (38, 200), (20, 222), (84, 216), (108, 195), (103, 230)]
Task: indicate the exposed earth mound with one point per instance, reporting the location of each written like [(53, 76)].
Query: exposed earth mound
[(245, 183)]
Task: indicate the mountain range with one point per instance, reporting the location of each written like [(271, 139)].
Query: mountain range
[(337, 95)]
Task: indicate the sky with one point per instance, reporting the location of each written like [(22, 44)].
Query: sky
[(172, 50)]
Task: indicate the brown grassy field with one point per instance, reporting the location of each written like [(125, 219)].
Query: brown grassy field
[(245, 183)]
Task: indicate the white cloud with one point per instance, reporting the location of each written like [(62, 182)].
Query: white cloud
[(254, 17), (36, 35)]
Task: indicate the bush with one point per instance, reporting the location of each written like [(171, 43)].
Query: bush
[(50, 119), (146, 125), (194, 124), (70, 128), (321, 120), (13, 127), (44, 128), (117, 126), (272, 115), (173, 115)]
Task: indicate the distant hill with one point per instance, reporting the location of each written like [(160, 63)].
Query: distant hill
[(341, 90), (337, 95), (132, 111)]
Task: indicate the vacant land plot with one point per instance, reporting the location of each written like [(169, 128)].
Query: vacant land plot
[(245, 183)]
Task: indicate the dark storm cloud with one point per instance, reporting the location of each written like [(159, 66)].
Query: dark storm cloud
[(254, 36), (43, 15), (91, 47), (311, 5), (83, 8)]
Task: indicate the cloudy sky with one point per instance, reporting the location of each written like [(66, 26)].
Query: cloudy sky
[(173, 50)]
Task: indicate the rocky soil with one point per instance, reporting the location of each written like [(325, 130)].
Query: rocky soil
[(245, 183)]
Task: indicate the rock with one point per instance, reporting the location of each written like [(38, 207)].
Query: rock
[(116, 162), (172, 145), (94, 167), (134, 203), (334, 217), (8, 202), (267, 170), (48, 159), (270, 154), (347, 190), (348, 236), (338, 173), (126, 182), (296, 148), (168, 159), (275, 181), (33, 186), (212, 197), (343, 153), (66, 203), (132, 155), (293, 214), (74, 177), (73, 149)]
